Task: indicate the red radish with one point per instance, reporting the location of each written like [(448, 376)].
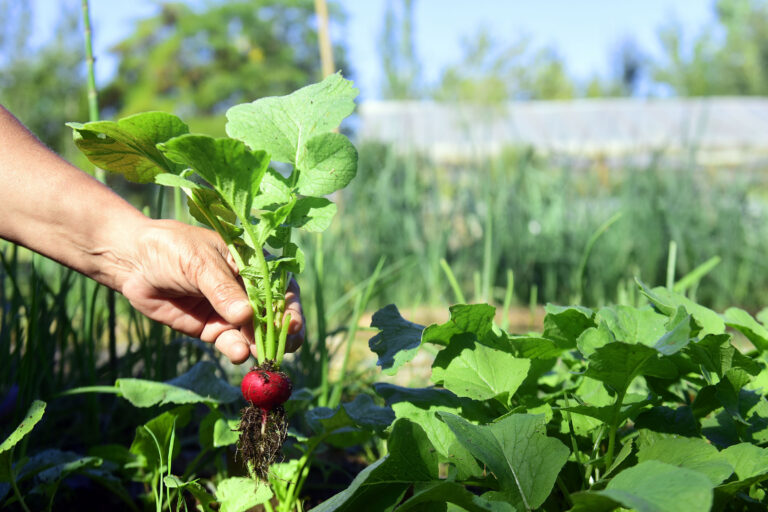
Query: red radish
[(266, 389), (263, 426)]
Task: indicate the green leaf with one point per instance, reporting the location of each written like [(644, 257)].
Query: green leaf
[(350, 422), (447, 446), (680, 421), (475, 320), (227, 165), (593, 338), (682, 333), (199, 385), (650, 486), (313, 214), (690, 453), (275, 191), (327, 164), (748, 326), (451, 492), (33, 416), (632, 325), (398, 340), (747, 460), (411, 459), (565, 324), (217, 431), (238, 494), (282, 125), (516, 449), (477, 371), (533, 347), (617, 364), (750, 463), (668, 302), (162, 427), (129, 146)]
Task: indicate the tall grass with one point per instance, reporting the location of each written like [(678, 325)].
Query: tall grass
[(539, 219)]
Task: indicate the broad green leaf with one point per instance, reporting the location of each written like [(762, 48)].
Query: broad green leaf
[(593, 338), (714, 353), (275, 190), (680, 421), (398, 340), (632, 325), (689, 453), (750, 463), (516, 449), (282, 125), (281, 477), (667, 302), (129, 146), (411, 459), (227, 165), (72, 464), (533, 347), (747, 460), (477, 371), (566, 323), (208, 208), (748, 326), (162, 427), (617, 364), (327, 164), (650, 486), (199, 385), (313, 214), (682, 333), (606, 413), (217, 431), (239, 494), (450, 492), (440, 435), (351, 422), (475, 320)]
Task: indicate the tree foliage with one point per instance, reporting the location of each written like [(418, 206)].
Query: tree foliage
[(197, 62), (42, 85), (727, 58)]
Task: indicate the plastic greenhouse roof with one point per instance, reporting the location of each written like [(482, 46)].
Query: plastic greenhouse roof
[(723, 130)]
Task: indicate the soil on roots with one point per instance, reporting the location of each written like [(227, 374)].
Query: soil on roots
[(262, 434)]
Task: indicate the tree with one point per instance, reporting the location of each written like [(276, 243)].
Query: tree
[(492, 72), (398, 52), (728, 58), (44, 86), (198, 63)]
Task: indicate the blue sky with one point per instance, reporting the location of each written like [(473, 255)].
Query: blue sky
[(583, 31)]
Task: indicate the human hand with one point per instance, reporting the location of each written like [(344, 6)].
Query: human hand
[(183, 276)]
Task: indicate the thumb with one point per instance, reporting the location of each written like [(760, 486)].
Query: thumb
[(219, 285)]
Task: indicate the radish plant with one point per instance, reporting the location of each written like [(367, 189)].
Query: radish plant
[(232, 189)]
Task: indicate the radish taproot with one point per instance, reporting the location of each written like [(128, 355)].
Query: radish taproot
[(263, 426)]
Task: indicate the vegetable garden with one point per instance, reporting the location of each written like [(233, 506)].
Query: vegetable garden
[(644, 400)]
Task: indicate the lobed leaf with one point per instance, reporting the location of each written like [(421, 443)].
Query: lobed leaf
[(516, 449), (129, 146), (228, 165), (398, 340), (282, 125)]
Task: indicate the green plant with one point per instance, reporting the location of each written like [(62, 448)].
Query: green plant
[(232, 189), (618, 408)]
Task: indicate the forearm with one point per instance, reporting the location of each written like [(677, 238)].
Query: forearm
[(55, 209)]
